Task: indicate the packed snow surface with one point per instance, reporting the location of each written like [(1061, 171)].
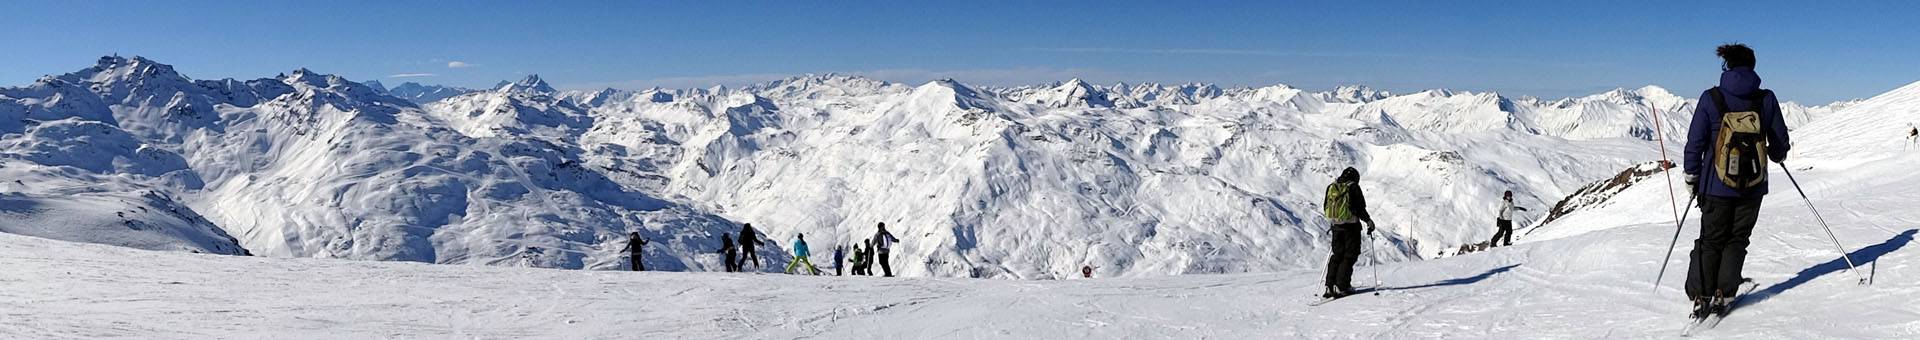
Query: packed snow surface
[(1594, 284)]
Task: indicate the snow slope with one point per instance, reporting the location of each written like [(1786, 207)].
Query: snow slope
[(1595, 284)]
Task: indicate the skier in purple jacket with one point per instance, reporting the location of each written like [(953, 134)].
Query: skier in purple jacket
[(1736, 129)]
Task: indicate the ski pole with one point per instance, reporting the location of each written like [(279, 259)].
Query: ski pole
[(1676, 241), (1823, 223), (1666, 169), (1374, 250)]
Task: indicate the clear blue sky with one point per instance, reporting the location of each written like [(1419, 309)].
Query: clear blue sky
[(1810, 51)]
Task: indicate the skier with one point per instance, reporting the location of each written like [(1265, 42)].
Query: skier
[(1913, 136), (855, 261), (839, 259), (1345, 208), (1735, 125), (1086, 272), (726, 247), (883, 241), (863, 258), (800, 255), (634, 246), (747, 242), (1504, 221)]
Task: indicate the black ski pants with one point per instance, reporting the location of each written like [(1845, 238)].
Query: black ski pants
[(886, 267), (747, 253), (1346, 252), (1726, 224), (1505, 232)]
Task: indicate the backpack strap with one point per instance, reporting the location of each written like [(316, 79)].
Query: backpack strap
[(1719, 100)]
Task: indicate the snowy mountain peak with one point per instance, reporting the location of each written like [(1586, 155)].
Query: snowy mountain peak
[(948, 92), (531, 84), (1073, 93), (136, 71), (1356, 94), (1653, 91), (308, 77), (376, 86), (819, 85), (422, 94)]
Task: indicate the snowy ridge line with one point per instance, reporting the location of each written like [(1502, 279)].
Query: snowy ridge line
[(1027, 182)]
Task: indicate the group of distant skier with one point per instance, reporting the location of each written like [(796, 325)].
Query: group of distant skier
[(871, 250), (1736, 129)]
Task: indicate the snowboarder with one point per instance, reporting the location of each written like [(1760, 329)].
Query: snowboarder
[(883, 242), (727, 248), (1345, 209), (1504, 221), (800, 256), (1736, 128), (839, 260), (634, 245), (747, 242)]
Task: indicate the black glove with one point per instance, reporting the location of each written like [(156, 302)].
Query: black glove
[(1369, 228), (1693, 185)]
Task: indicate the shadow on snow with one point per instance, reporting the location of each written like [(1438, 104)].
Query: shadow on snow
[(1448, 282), (1864, 256)]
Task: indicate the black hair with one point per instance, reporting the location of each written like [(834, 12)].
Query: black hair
[(1735, 55), (1349, 175)]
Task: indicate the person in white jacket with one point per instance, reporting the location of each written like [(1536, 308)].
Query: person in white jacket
[(1504, 221)]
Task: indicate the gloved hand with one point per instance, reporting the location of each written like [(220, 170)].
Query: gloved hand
[(1693, 184), (1369, 228)]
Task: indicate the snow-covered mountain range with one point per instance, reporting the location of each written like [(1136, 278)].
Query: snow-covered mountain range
[(1022, 182)]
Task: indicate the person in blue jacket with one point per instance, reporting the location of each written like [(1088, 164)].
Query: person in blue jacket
[(800, 256), (1736, 129)]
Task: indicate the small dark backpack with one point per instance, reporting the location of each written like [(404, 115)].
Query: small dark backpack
[(1740, 147)]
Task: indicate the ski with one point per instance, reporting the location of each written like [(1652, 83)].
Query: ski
[(1325, 300), (1711, 321)]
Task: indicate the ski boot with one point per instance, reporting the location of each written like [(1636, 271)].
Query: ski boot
[(1701, 308), (1721, 305)]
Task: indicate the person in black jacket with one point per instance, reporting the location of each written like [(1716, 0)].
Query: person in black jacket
[(1346, 208), (727, 248), (839, 260), (634, 247), (748, 241)]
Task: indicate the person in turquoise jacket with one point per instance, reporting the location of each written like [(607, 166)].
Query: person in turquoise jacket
[(800, 255)]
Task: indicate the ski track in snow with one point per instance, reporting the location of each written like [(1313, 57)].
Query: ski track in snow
[(1591, 285)]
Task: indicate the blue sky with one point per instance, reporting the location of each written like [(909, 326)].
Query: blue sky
[(1810, 51)]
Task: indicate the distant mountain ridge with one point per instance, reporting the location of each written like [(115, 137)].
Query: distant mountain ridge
[(1022, 182)]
